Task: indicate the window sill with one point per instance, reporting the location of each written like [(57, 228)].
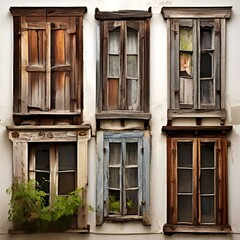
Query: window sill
[(127, 218), (201, 113), (77, 230), (215, 229), (105, 115)]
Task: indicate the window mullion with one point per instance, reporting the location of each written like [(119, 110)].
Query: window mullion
[(196, 64), (123, 179), (122, 80), (32, 164), (197, 184), (53, 173), (48, 67)]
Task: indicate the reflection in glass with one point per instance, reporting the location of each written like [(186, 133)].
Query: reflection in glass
[(186, 38)]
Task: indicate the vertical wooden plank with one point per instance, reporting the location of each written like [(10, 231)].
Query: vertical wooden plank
[(123, 197), (71, 48), (222, 52), (24, 64), (20, 161), (53, 151), (174, 64), (146, 177), (122, 79), (59, 59), (170, 180), (196, 207), (99, 188), (174, 196), (196, 64), (32, 164), (104, 64), (48, 67), (82, 173)]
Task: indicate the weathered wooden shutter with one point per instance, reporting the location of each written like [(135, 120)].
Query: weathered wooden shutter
[(100, 173), (145, 167), (63, 83), (35, 65)]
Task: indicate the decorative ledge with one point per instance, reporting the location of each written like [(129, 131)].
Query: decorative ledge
[(196, 12), (215, 229), (196, 130), (122, 115)]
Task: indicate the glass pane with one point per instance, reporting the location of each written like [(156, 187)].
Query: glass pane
[(207, 154), (207, 209), (114, 180), (206, 38), (186, 38), (114, 201), (132, 41), (115, 153), (184, 181), (43, 180), (207, 181), (114, 41), (113, 66), (42, 158), (66, 183), (186, 91), (132, 202), (132, 153), (184, 208), (132, 66), (131, 177), (185, 64), (184, 151), (206, 65), (206, 89), (132, 94), (67, 157)]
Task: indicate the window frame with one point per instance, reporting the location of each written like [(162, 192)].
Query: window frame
[(141, 20), (143, 141), (22, 109), (22, 136), (196, 135), (217, 15)]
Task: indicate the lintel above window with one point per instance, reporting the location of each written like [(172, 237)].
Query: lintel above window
[(196, 71), (123, 65)]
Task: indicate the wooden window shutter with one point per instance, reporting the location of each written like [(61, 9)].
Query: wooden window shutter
[(100, 178), (174, 74), (64, 72), (35, 76), (145, 149)]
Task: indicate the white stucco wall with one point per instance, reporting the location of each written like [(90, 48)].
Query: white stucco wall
[(158, 106)]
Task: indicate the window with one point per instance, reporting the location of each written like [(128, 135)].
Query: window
[(47, 61), (197, 60), (123, 177), (55, 156), (123, 77), (197, 180), (54, 166)]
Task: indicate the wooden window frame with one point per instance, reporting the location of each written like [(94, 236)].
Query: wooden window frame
[(25, 20), (196, 135), (143, 141), (22, 136), (175, 16), (123, 18)]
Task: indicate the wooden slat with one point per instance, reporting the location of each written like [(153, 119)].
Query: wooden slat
[(48, 68), (48, 11), (99, 187), (20, 161), (24, 64), (196, 12), (122, 15)]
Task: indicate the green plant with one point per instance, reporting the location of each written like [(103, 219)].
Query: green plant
[(28, 206), (114, 205)]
